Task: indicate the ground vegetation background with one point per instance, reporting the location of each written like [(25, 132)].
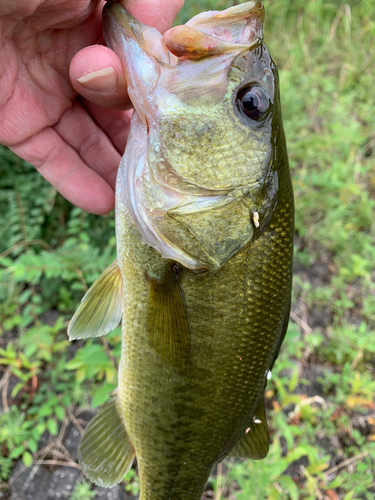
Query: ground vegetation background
[(321, 398)]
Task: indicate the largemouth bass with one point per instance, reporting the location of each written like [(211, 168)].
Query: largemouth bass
[(202, 280)]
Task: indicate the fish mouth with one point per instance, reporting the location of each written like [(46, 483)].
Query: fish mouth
[(207, 34)]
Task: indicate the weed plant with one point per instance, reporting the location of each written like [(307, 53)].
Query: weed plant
[(321, 399)]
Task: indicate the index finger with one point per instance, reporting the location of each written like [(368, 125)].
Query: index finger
[(96, 72), (157, 13)]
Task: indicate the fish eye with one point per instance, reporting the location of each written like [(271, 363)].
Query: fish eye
[(253, 101)]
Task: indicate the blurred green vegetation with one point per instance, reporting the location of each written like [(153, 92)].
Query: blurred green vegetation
[(323, 443)]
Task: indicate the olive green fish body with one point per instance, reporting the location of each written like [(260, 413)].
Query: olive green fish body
[(191, 415), (202, 280)]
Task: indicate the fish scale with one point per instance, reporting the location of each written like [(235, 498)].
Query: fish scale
[(202, 279)]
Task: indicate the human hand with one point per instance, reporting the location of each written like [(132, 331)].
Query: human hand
[(73, 141)]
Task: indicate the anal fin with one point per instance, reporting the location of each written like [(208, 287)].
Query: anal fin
[(255, 443), (105, 452), (167, 320), (101, 309)]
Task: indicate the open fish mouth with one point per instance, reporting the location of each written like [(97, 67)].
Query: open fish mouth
[(216, 36), (207, 34)]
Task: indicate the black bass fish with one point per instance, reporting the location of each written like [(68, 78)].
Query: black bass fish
[(202, 280)]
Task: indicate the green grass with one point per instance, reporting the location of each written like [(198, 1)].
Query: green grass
[(83, 491), (322, 447)]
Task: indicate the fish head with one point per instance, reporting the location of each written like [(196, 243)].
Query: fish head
[(199, 176)]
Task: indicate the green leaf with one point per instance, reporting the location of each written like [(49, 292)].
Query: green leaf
[(59, 412), (33, 445), (18, 373), (52, 426), (336, 482), (102, 393), (37, 432), (45, 411), (27, 459), (17, 452), (67, 400), (350, 495), (288, 484), (80, 375), (16, 389)]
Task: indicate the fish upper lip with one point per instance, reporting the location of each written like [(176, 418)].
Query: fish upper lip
[(200, 37), (208, 34)]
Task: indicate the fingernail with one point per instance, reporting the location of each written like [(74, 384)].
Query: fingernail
[(99, 81), (108, 214)]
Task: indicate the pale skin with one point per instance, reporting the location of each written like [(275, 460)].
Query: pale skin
[(63, 101)]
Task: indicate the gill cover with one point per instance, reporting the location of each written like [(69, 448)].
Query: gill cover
[(193, 169)]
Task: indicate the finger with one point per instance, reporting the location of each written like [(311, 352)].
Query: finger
[(96, 72), (116, 124), (61, 165), (157, 13), (77, 128)]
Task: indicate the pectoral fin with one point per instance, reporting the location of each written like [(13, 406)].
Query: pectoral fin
[(167, 320), (101, 309), (105, 452), (255, 443)]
